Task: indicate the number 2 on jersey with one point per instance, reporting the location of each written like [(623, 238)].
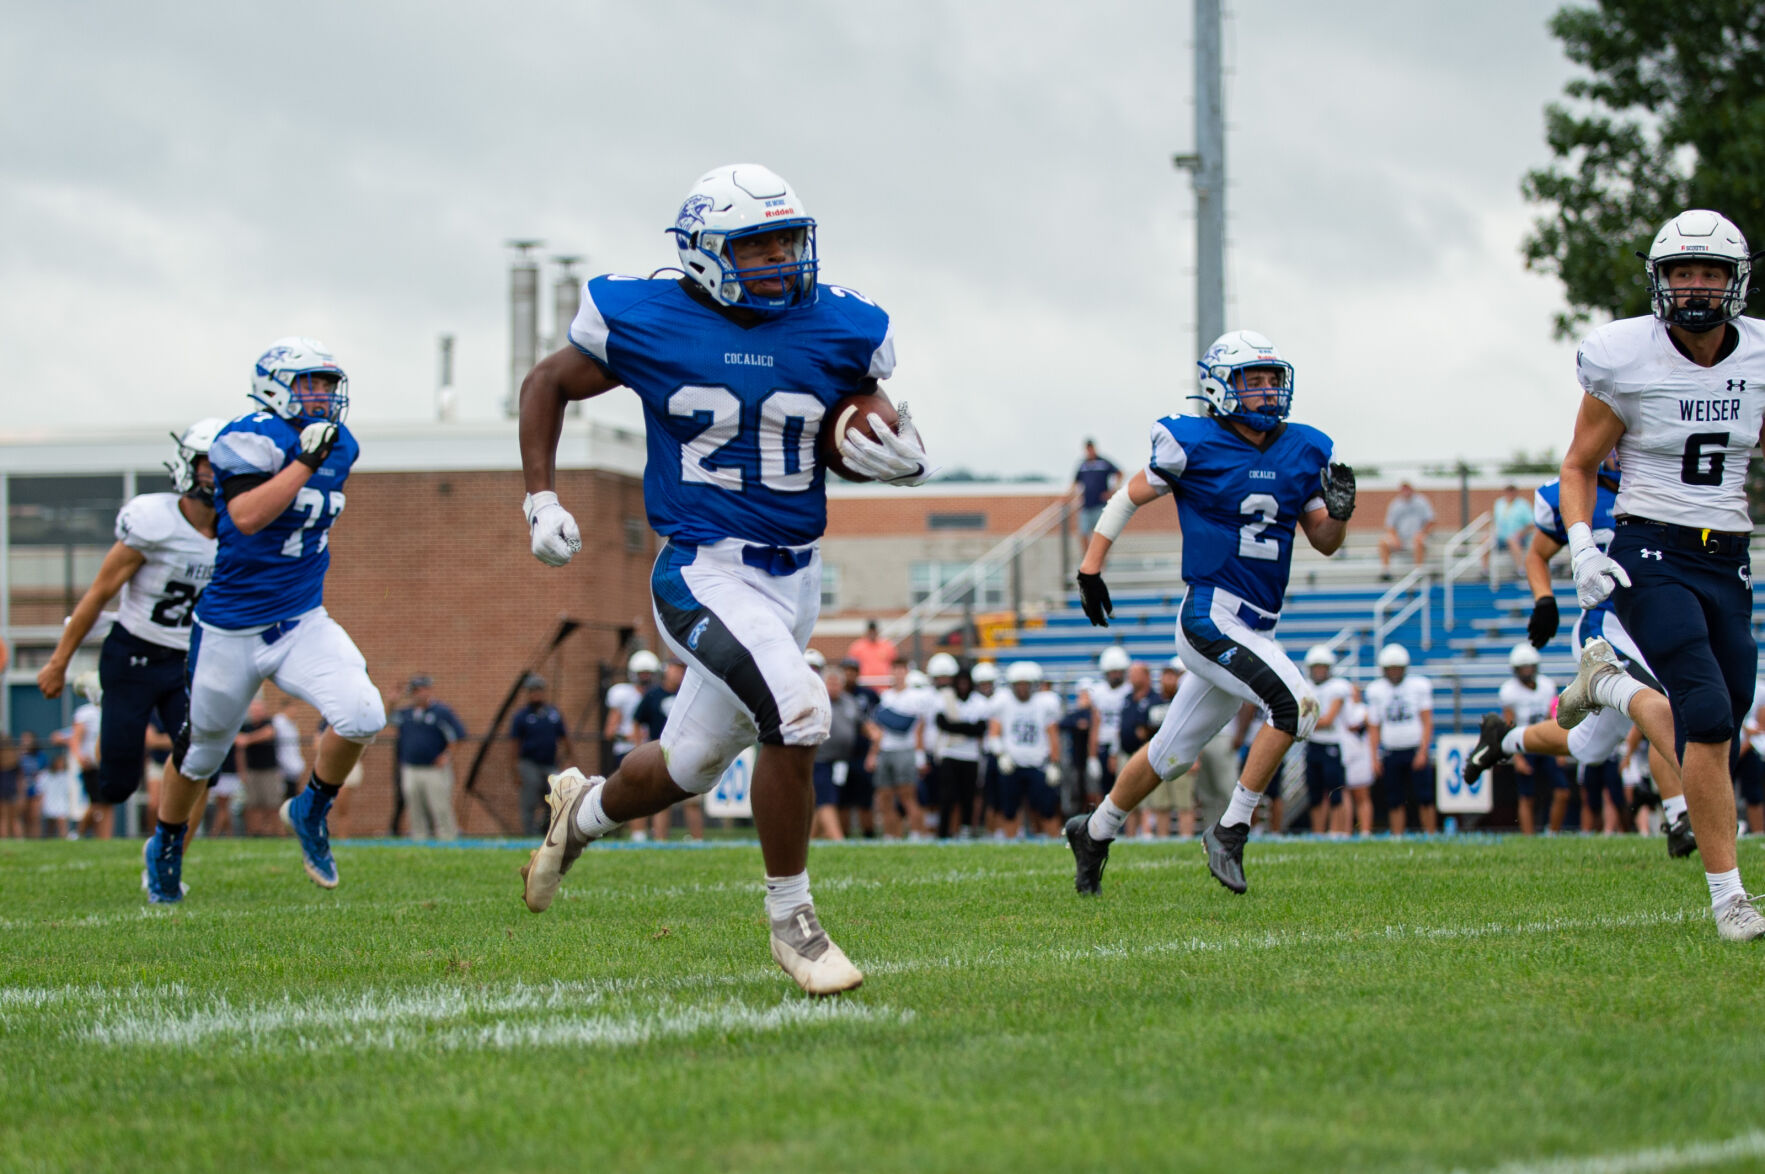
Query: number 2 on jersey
[(788, 423), (1251, 543)]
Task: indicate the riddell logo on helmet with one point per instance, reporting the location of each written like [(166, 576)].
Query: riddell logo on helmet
[(771, 212)]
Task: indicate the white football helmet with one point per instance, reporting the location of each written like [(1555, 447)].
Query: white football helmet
[(1223, 369), (1023, 671), (918, 680), (1699, 235), (942, 664), (1113, 659), (816, 659), (1394, 656), (739, 200), (281, 367), (1523, 654), (182, 468), (984, 672), (1320, 654), (643, 661)]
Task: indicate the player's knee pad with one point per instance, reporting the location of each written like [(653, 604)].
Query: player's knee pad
[(1309, 712), (361, 719), (696, 764), (1704, 715), (804, 713), (196, 757)]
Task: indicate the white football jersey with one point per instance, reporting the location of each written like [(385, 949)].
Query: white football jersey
[(623, 699), (1023, 725), (1397, 710), (1357, 756), (1328, 693), (1108, 699), (1687, 429), (87, 720), (975, 709), (158, 602), (1530, 706), (906, 709)]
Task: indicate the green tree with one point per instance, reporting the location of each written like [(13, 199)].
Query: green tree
[(1670, 116)]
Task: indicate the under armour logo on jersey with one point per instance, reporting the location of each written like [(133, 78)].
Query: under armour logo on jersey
[(1746, 576), (1654, 554), (692, 638), (1737, 385), (1226, 656)]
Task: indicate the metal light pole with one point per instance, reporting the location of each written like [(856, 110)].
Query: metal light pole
[(1207, 173)]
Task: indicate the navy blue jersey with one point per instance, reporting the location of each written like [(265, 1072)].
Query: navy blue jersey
[(279, 572), (1237, 503), (732, 412), (1547, 515)]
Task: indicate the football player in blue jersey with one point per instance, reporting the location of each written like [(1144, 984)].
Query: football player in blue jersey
[(736, 363), (1244, 479), (279, 476)]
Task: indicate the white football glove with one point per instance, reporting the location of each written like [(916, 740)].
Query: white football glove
[(1052, 774), (1596, 575), (896, 457), (1006, 766), (316, 441), (555, 536)]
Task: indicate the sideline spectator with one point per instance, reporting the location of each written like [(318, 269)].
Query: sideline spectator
[(1408, 519), (289, 759), (82, 745), (621, 725), (1357, 766), (1095, 479), (1400, 733), (1137, 728), (897, 744), (427, 730), (1082, 776), (30, 781), (859, 793), (262, 774), (962, 723), (1325, 776), (651, 715), (875, 656), (833, 758), (1527, 698), (536, 732), (62, 799), (11, 789), (1512, 517)]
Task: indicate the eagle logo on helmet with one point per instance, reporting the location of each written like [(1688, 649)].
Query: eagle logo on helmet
[(692, 213)]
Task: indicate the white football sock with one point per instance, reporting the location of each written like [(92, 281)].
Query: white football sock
[(1724, 887), (1106, 822), (1242, 807), (1673, 808), (785, 893), (1615, 690), (1514, 741), (591, 818)]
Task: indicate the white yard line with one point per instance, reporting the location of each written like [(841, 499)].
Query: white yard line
[(1690, 1156)]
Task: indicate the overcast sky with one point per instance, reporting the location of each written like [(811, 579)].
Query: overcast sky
[(181, 184)]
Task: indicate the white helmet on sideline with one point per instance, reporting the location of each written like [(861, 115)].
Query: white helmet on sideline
[(1394, 656), (1114, 659), (941, 664), (815, 658), (1022, 672), (1523, 654), (985, 671), (643, 661), (1320, 654), (918, 680)]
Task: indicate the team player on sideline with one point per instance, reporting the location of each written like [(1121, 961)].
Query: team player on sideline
[(1243, 479), (279, 476), (1026, 722), (1526, 699), (162, 560), (1591, 743), (737, 364), (1324, 775), (1400, 730), (1106, 731), (1681, 394)]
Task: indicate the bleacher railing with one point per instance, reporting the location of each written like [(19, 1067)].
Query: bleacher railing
[(1477, 540), (1387, 621)]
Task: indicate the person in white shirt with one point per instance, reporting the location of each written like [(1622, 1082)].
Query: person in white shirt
[(83, 750), (897, 746), (1324, 777), (1357, 765), (1526, 699), (1400, 721), (1026, 722), (962, 722), (1107, 697)]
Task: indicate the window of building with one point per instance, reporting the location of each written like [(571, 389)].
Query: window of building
[(830, 587), (63, 511), (923, 578), (634, 533), (969, 521)]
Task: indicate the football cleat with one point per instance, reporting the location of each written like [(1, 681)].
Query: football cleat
[(1488, 753), (1089, 855), (808, 955), (1598, 661), (563, 843), (1225, 854), (305, 817), (162, 859), (1681, 841), (1739, 921)]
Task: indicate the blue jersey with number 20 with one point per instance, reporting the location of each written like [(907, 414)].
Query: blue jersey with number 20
[(277, 573), (1237, 502), (732, 412)]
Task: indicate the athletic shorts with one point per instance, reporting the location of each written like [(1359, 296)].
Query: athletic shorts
[(1403, 780), (1324, 776), (1546, 776)]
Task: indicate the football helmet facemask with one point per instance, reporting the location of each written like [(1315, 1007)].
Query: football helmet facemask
[(291, 378), (740, 200), (1698, 235), (1224, 369), (182, 467)]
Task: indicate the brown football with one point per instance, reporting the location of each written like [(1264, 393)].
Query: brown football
[(852, 413)]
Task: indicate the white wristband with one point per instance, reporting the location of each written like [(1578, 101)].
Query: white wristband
[(1115, 515), (1580, 538)]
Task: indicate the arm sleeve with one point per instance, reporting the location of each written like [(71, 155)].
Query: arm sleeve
[(882, 359), (235, 454), (1168, 460)]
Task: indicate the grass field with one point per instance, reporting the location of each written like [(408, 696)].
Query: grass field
[(1370, 1006)]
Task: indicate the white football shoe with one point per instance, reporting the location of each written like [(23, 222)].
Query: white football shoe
[(808, 955), (1576, 703), (545, 869), (1739, 921)]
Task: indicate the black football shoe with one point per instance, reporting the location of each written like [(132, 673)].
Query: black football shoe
[(1088, 855), (1488, 752), (1680, 840), (1225, 854)]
